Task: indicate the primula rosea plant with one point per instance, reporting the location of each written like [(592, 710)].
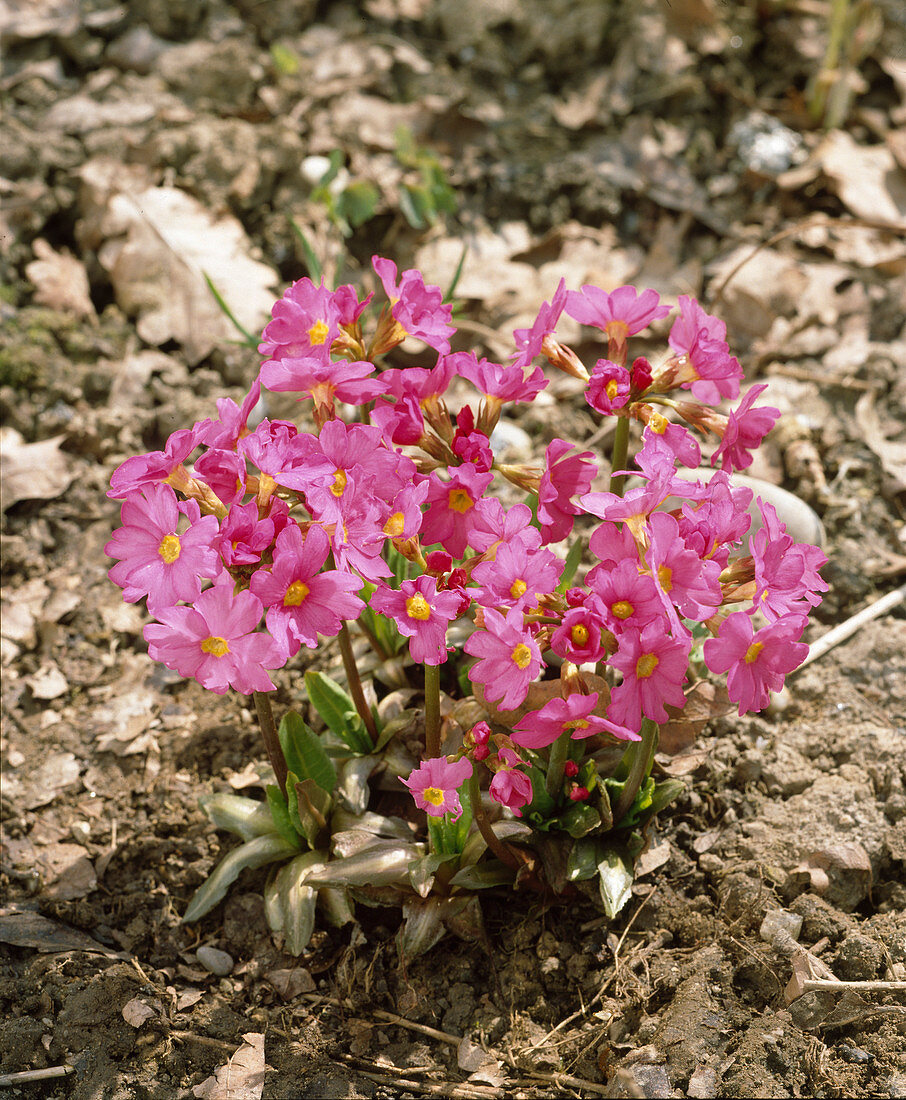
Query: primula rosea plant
[(508, 733)]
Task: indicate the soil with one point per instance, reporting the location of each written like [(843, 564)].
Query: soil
[(627, 142)]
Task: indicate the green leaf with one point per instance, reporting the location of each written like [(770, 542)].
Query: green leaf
[(352, 789), (312, 809), (358, 202), (664, 793), (573, 558), (334, 705), (422, 871), (304, 752), (579, 820), (583, 859), (615, 882), (384, 863), (457, 275), (243, 816), (254, 853), (285, 61), (311, 260), (292, 909), (484, 876), (280, 814), (248, 339), (413, 206)]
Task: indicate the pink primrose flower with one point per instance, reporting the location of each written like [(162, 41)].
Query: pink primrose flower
[(272, 448), (609, 387), (358, 537), (157, 466), (243, 537), (621, 313), (225, 432), (470, 445), (530, 341), (323, 379), (155, 559), (435, 784), (509, 658), (716, 523), (562, 479), (635, 506), (688, 584), (216, 641), (422, 614), (307, 319), (404, 515), (302, 598), (756, 661), (663, 443), (401, 421), (787, 580), (578, 638), (498, 525), (224, 472), (654, 667), (509, 786), (417, 308), (702, 339), (540, 728), (630, 599), (455, 507), (497, 382), (517, 576), (746, 428), (612, 542)]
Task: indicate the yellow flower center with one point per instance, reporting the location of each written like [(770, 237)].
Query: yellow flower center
[(517, 588), (217, 647), (417, 607), (622, 609), (339, 483), (658, 423), (395, 525), (295, 594), (434, 795), (317, 334), (611, 389), (665, 576), (617, 330), (576, 724), (645, 665), (522, 655), (169, 548), (752, 652), (579, 634), (459, 500)]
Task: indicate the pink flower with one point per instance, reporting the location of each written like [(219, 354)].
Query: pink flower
[(562, 479), (307, 319), (496, 382), (654, 667), (417, 308), (225, 433), (630, 599), (530, 341), (323, 381), (540, 728), (688, 584), (609, 387), (244, 537), (302, 599), (702, 339), (756, 662), (510, 787), (746, 428), (224, 472), (435, 784), (216, 641), (509, 658), (517, 576), (578, 638), (422, 614), (148, 469), (787, 580), (496, 525), (455, 507), (155, 560), (621, 313)]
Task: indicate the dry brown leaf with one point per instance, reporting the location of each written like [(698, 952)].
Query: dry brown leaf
[(869, 181), (32, 471), (136, 1012), (60, 281), (891, 453), (242, 1078), (159, 244)]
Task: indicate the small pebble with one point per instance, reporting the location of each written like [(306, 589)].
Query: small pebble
[(780, 920), (855, 1055), (215, 961)]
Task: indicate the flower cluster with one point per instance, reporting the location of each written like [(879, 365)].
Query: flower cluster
[(274, 537)]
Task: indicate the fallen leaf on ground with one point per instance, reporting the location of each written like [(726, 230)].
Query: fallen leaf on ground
[(136, 1012), (242, 1078), (42, 782), (60, 280), (23, 928), (32, 471), (869, 181), (891, 453)]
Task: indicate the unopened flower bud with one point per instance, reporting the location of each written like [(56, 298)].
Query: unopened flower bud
[(578, 794), (570, 769), (438, 561), (575, 597), (640, 372)]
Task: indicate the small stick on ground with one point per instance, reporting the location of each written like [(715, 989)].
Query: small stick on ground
[(26, 1076)]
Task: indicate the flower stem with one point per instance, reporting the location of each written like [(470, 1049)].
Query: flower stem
[(641, 755), (271, 739), (492, 840), (559, 753), (619, 455), (355, 683), (432, 711)]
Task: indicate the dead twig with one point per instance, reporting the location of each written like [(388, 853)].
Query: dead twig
[(26, 1076), (856, 622)]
